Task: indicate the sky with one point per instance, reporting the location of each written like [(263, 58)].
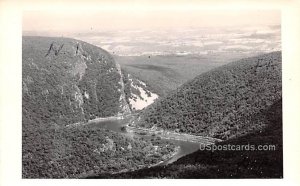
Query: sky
[(142, 17)]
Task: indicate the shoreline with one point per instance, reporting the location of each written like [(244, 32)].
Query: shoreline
[(99, 119), (169, 135)]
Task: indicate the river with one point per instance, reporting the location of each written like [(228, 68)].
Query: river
[(185, 147)]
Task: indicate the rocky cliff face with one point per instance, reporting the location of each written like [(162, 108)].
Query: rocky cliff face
[(67, 81), (138, 94)]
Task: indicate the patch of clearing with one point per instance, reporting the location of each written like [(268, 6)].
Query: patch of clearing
[(138, 102)]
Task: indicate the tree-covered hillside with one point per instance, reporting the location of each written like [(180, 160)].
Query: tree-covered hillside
[(80, 152), (66, 81), (223, 102)]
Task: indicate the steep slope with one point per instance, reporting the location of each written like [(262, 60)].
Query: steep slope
[(221, 103), (67, 81)]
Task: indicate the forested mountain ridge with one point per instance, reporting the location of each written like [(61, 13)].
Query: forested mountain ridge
[(67, 81), (221, 103)]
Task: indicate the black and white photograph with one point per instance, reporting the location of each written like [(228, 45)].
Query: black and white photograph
[(96, 91), (152, 94)]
